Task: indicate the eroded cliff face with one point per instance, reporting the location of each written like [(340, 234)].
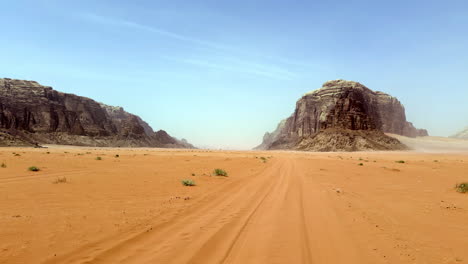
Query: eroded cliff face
[(39, 114), (341, 105)]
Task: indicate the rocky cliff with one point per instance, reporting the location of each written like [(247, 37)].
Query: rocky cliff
[(32, 113), (335, 113)]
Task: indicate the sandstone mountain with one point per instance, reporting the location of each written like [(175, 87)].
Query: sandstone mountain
[(342, 116), (34, 114), (462, 134)]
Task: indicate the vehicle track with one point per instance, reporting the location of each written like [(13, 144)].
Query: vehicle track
[(277, 216)]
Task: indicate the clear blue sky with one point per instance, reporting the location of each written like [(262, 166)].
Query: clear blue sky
[(221, 73)]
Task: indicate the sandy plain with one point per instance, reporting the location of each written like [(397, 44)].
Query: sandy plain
[(293, 208)]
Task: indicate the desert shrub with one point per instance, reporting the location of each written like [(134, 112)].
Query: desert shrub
[(117, 155), (400, 161), (188, 183), (98, 158), (60, 180), (462, 187), (3, 165), (220, 172), (33, 168), (47, 152), (193, 174), (360, 164), (17, 155)]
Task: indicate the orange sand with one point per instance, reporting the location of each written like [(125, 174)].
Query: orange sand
[(295, 208)]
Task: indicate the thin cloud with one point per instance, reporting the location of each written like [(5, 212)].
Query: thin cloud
[(240, 67), (129, 24), (229, 64)]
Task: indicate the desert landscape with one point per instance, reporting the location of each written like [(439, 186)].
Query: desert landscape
[(234, 132), (129, 206)]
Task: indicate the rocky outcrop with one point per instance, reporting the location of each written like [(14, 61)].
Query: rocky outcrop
[(462, 134), (38, 114), (344, 106)]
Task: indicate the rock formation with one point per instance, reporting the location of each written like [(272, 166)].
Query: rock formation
[(462, 134), (31, 113), (342, 115)]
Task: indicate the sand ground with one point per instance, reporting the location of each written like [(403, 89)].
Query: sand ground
[(293, 208)]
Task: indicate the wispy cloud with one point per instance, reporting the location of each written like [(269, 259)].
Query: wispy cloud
[(227, 63), (130, 24), (239, 66)]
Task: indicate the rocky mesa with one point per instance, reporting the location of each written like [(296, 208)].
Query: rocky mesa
[(32, 114), (343, 116)]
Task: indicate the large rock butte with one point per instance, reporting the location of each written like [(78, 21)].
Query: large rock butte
[(343, 116), (33, 114)]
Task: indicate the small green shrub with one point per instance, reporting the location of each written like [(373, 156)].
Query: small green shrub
[(188, 183), (60, 180), (98, 158), (220, 172), (462, 187), (3, 165), (400, 161), (33, 168)]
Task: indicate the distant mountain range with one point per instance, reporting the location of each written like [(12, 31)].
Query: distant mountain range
[(462, 134), (32, 114)]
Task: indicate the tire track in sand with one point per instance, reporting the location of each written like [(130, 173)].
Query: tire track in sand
[(277, 216)]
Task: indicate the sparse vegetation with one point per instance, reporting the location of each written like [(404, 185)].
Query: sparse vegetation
[(17, 155), (33, 168), (3, 165), (436, 161), (117, 155), (400, 161), (98, 158), (60, 180), (220, 172), (263, 159), (193, 174), (360, 164), (462, 187), (188, 183)]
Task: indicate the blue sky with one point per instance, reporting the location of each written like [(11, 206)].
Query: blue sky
[(222, 73)]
